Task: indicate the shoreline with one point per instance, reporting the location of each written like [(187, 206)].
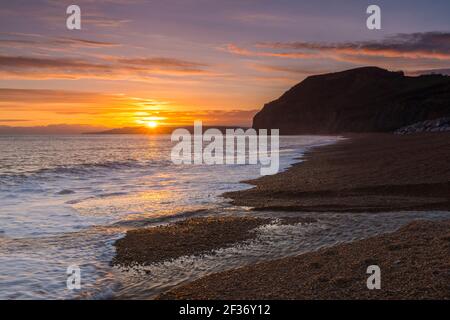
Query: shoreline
[(193, 236), (342, 177)]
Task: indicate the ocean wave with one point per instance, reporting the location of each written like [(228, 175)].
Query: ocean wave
[(81, 170), (139, 223), (111, 194), (98, 196), (86, 167)]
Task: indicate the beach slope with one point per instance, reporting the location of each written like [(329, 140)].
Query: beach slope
[(365, 173)]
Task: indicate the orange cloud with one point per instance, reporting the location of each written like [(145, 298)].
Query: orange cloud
[(36, 41), (234, 49), (116, 68)]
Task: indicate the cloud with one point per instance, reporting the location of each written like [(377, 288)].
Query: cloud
[(91, 20), (19, 63), (168, 62), (265, 18), (415, 53), (160, 63), (50, 68), (430, 49), (75, 42), (209, 117), (64, 102), (289, 69), (31, 67), (427, 45), (39, 65), (105, 22), (13, 120), (234, 49), (37, 41), (445, 71), (51, 129), (50, 96)]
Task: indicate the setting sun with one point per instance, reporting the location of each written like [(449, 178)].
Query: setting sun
[(152, 124)]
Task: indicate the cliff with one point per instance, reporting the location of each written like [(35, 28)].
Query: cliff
[(368, 99)]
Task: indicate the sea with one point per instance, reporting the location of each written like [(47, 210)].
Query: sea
[(65, 200)]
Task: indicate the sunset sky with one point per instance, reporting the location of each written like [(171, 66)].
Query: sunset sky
[(172, 61)]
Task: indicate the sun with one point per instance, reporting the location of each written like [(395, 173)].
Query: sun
[(152, 124)]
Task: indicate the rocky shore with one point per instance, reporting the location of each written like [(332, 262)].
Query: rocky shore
[(436, 125)]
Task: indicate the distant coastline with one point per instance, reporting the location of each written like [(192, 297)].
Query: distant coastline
[(161, 130), (89, 130)]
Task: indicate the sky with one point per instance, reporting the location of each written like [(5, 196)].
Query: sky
[(170, 62)]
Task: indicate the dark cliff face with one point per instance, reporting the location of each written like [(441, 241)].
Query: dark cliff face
[(366, 99)]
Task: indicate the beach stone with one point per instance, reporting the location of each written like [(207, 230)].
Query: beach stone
[(436, 125)]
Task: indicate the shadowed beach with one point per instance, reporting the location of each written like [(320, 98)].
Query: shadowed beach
[(365, 173)]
